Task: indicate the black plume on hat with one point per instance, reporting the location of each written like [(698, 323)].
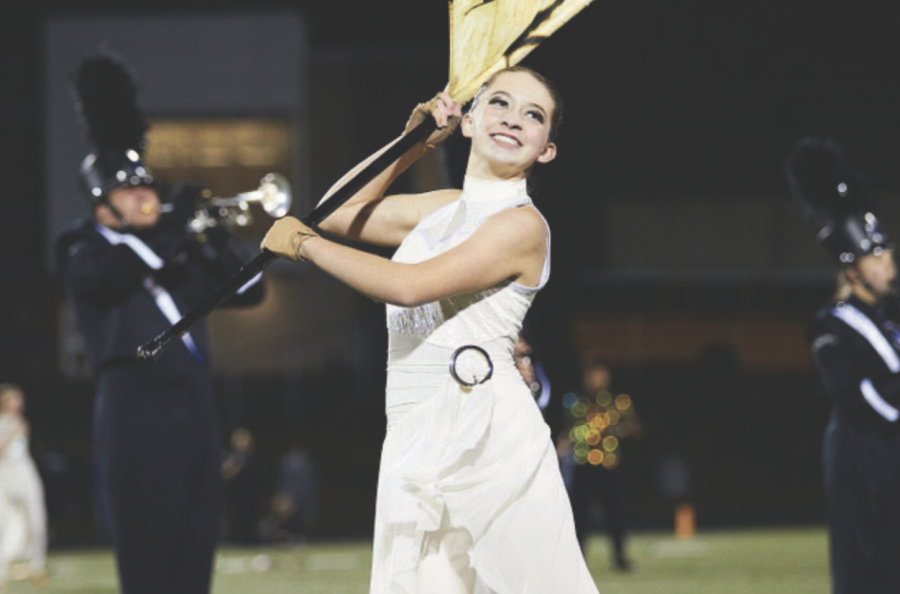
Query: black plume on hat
[(820, 178), (107, 102), (106, 99), (833, 195)]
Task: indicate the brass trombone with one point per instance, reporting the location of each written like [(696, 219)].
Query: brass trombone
[(273, 194)]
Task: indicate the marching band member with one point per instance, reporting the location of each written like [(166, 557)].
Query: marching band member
[(129, 271), (856, 351)]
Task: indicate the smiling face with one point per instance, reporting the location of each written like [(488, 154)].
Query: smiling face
[(510, 127)]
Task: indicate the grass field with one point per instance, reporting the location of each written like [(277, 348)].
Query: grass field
[(770, 561)]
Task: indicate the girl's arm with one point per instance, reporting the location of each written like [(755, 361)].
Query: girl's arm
[(374, 218), (510, 245)]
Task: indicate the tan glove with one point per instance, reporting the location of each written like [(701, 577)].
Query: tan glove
[(286, 236), (423, 111)]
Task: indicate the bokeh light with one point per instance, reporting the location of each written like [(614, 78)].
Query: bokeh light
[(595, 457), (596, 426), (579, 409), (604, 398)]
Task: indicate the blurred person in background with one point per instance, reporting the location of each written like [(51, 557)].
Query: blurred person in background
[(242, 482), (598, 420), (282, 524), (855, 343), (129, 270), (23, 517), (470, 497), (297, 480), (533, 372)]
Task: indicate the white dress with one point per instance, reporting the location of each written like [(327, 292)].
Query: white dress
[(479, 457), (23, 523)]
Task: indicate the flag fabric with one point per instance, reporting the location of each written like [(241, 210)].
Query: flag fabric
[(489, 35)]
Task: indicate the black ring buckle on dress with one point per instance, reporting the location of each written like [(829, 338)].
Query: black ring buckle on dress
[(483, 353)]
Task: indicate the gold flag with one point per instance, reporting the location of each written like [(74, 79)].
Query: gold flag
[(489, 35)]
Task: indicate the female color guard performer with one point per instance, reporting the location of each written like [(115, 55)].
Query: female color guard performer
[(470, 497)]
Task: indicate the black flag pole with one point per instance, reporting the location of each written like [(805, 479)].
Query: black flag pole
[(153, 350)]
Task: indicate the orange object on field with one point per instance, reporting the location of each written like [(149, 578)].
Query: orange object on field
[(685, 521)]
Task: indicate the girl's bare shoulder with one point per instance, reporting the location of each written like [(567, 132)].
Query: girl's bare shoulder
[(521, 220)]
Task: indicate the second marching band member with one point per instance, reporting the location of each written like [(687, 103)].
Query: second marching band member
[(856, 349), (470, 497)]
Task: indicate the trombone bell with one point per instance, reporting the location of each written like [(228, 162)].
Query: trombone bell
[(273, 194)]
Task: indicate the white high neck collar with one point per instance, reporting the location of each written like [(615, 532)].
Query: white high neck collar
[(493, 190)]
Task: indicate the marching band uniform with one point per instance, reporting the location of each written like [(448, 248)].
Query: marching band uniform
[(856, 352), (156, 433), (155, 426), (858, 359)]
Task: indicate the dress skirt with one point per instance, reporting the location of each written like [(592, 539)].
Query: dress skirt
[(479, 461)]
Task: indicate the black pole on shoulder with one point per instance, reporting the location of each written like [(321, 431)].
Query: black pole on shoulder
[(153, 350)]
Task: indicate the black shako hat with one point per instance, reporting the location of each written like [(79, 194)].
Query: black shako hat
[(106, 100), (833, 196)]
